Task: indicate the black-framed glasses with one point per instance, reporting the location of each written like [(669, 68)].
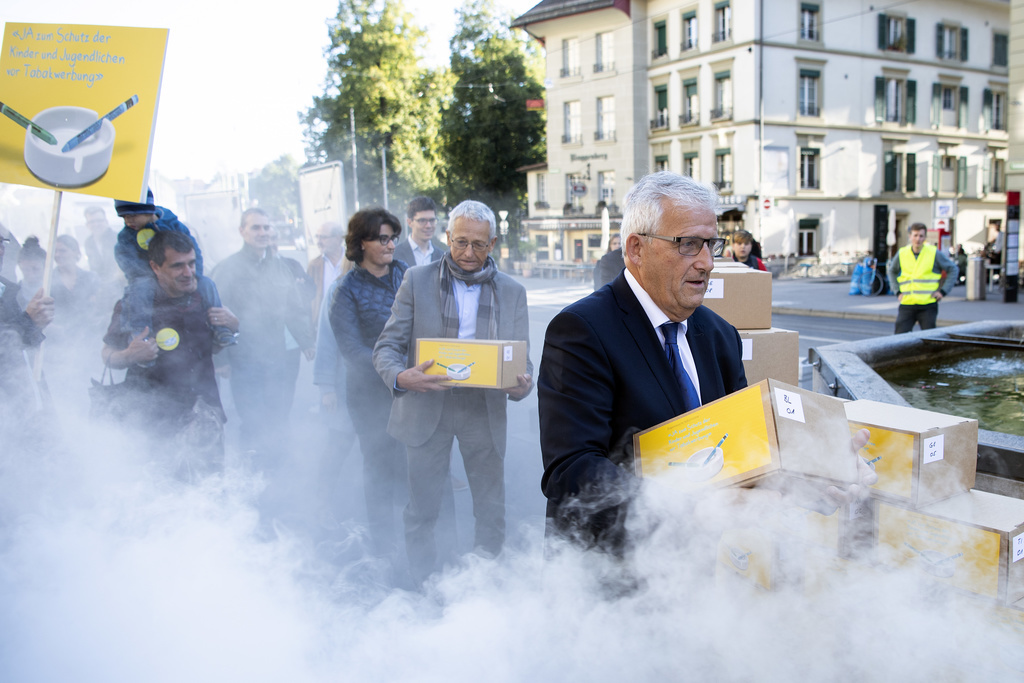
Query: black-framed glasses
[(691, 246), (384, 239)]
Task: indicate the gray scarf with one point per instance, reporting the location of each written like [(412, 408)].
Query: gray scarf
[(486, 315)]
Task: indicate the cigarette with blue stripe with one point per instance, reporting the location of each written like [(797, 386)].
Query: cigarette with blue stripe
[(37, 130), (92, 129)]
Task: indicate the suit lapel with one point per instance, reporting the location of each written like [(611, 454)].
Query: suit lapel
[(639, 327)]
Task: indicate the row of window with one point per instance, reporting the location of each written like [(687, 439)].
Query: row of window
[(576, 189), (896, 102)]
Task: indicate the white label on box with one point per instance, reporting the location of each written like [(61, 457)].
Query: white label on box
[(789, 404), (933, 449), (508, 354), (748, 349), (716, 288), (1018, 548)]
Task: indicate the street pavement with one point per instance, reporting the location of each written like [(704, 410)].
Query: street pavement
[(830, 298)]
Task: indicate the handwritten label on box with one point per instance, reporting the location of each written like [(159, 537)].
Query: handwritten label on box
[(789, 405), (716, 288), (1018, 548), (508, 354), (747, 349), (933, 449)]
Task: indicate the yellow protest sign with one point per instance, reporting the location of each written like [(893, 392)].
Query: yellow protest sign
[(79, 106)]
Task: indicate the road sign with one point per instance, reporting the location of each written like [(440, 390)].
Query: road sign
[(768, 203), (579, 189)]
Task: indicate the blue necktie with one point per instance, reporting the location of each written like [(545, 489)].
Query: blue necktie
[(690, 398)]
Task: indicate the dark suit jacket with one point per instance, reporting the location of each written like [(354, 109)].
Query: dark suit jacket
[(403, 252), (603, 377)]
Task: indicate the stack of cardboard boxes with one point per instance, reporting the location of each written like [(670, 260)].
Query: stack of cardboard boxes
[(743, 296)]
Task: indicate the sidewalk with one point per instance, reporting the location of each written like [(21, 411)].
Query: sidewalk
[(829, 298)]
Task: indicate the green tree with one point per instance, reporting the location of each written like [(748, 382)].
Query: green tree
[(276, 188), (373, 68), (486, 131)]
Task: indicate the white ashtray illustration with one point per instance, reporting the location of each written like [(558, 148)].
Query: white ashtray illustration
[(935, 563), (80, 166), (457, 371), (739, 558), (705, 464)]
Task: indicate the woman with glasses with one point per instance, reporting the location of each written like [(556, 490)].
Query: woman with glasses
[(361, 306)]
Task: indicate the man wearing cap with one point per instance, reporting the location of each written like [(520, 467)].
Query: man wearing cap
[(142, 221), (170, 366), (275, 327)]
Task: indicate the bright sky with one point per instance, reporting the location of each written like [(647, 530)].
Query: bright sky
[(236, 74)]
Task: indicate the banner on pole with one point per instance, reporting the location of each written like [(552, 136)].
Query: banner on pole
[(79, 106)]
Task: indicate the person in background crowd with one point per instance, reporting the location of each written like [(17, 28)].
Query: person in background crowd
[(99, 245), (610, 265), (32, 264), (275, 329), (742, 248), (421, 248), (21, 328), (329, 265), (922, 274), (9, 269), (75, 291)]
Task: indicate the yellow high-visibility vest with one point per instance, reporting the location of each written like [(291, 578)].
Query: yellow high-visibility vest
[(918, 279)]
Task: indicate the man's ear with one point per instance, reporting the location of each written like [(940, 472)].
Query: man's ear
[(153, 266), (633, 249)]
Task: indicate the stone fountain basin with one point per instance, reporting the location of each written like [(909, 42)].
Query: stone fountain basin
[(847, 371)]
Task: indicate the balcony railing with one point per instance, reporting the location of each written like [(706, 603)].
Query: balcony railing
[(604, 135), (723, 185), (569, 71), (810, 110), (658, 53), (601, 67), (572, 139), (810, 34), (689, 119), (689, 44), (660, 120), (721, 113), (721, 36)]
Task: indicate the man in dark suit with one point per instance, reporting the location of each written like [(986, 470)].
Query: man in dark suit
[(606, 371), (421, 248), (462, 296)]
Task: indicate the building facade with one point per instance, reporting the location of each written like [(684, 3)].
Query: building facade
[(828, 127)]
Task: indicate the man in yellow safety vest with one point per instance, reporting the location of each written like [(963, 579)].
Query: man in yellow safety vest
[(922, 274)]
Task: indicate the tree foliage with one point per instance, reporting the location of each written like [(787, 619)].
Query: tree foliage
[(373, 68), (486, 131), (276, 188)]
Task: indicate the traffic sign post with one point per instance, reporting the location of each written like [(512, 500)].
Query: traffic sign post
[(1011, 248)]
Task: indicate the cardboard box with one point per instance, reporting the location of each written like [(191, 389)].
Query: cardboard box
[(771, 354), (972, 542), (486, 363), (920, 457), (741, 295), (746, 435)]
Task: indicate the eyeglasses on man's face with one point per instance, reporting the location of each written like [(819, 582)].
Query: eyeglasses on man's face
[(691, 246), (384, 239), (462, 245), (425, 221)]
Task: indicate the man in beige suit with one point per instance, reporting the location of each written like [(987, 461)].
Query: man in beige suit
[(461, 296)]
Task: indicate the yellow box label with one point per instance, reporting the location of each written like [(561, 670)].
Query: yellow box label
[(956, 554), (686, 451), (462, 362), (892, 454)]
